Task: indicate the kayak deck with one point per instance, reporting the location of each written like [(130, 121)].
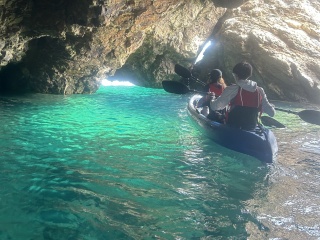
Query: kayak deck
[(259, 143)]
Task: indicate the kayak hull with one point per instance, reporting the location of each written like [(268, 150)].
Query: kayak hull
[(259, 143)]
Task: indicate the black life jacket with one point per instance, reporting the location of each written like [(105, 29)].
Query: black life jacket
[(244, 109)]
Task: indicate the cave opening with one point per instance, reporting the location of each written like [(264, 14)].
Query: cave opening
[(106, 83), (35, 69), (13, 80), (201, 54)]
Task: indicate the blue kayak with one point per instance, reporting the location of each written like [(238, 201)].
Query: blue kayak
[(259, 143)]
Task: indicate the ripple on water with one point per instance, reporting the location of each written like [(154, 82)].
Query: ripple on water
[(291, 208), (128, 164)]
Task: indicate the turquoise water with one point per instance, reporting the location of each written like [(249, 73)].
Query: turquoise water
[(123, 163)]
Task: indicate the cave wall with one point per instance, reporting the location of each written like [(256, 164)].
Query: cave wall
[(68, 47), (281, 39)]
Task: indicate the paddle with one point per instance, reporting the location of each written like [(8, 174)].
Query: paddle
[(310, 116), (182, 71), (185, 73), (271, 122), (177, 87), (180, 88)]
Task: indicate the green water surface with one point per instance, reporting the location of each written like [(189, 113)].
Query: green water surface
[(123, 163)]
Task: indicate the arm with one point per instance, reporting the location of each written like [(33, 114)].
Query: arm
[(267, 107), (227, 95)]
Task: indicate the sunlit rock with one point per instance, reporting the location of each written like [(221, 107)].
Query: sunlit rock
[(281, 39), (67, 47)]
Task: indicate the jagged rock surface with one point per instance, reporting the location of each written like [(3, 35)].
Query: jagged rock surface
[(281, 39), (67, 47)]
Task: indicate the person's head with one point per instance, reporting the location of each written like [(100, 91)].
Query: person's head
[(215, 75), (243, 70)]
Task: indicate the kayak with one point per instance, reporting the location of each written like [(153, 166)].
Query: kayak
[(259, 143)]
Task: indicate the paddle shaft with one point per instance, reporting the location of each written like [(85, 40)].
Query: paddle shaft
[(310, 116), (185, 73), (178, 88), (285, 110)]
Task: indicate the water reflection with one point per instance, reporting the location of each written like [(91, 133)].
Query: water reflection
[(292, 205), (209, 172), (104, 166)]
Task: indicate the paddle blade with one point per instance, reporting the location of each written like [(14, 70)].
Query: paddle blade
[(271, 122), (175, 87), (182, 71), (310, 116)]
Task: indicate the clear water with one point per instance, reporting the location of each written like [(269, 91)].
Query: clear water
[(127, 163)]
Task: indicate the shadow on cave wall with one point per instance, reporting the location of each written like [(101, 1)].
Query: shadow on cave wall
[(46, 58), (34, 72), (12, 79), (229, 3)]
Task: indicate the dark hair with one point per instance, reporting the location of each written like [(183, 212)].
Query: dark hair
[(214, 75), (243, 70)]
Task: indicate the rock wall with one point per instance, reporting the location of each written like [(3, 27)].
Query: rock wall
[(67, 47), (281, 39)]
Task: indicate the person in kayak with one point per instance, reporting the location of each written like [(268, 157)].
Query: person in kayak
[(214, 88), (215, 83), (245, 100)]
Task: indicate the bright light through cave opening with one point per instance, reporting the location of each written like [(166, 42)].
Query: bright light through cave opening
[(200, 56), (106, 82)]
